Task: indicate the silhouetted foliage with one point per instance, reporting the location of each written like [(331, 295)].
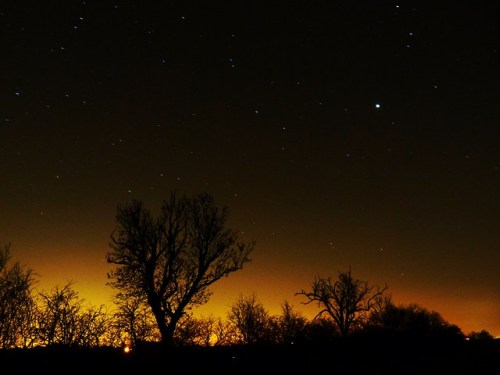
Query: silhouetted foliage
[(251, 320), (411, 320), (205, 331), (193, 332), (320, 330), (481, 335), (63, 319), (223, 333), (347, 301), (171, 260), (131, 322), (289, 327), (16, 303)]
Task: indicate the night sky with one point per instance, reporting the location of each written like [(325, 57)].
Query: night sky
[(338, 133)]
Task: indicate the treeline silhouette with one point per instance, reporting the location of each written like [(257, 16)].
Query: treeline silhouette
[(60, 317), (58, 331), (163, 268)]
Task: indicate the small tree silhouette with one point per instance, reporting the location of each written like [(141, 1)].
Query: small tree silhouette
[(132, 322), (16, 303), (347, 301), (251, 320), (289, 327), (64, 319)]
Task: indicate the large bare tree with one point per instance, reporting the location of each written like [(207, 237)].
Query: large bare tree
[(170, 260), (347, 301)]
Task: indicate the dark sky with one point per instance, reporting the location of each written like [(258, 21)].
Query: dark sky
[(338, 133)]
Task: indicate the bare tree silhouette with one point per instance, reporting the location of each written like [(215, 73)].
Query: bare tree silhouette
[(347, 301), (170, 261), (64, 319), (289, 327), (132, 322), (251, 320), (16, 303)]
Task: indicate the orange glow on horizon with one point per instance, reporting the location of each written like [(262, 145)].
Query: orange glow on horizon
[(272, 286)]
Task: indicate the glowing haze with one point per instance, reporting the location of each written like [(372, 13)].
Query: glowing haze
[(362, 134)]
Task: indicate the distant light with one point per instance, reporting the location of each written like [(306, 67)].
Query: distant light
[(377, 106), (126, 349)]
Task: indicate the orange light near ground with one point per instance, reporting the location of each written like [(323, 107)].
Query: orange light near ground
[(127, 349)]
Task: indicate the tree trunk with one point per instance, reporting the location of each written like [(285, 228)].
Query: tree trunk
[(166, 330)]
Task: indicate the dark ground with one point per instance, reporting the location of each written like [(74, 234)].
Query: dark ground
[(343, 357)]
